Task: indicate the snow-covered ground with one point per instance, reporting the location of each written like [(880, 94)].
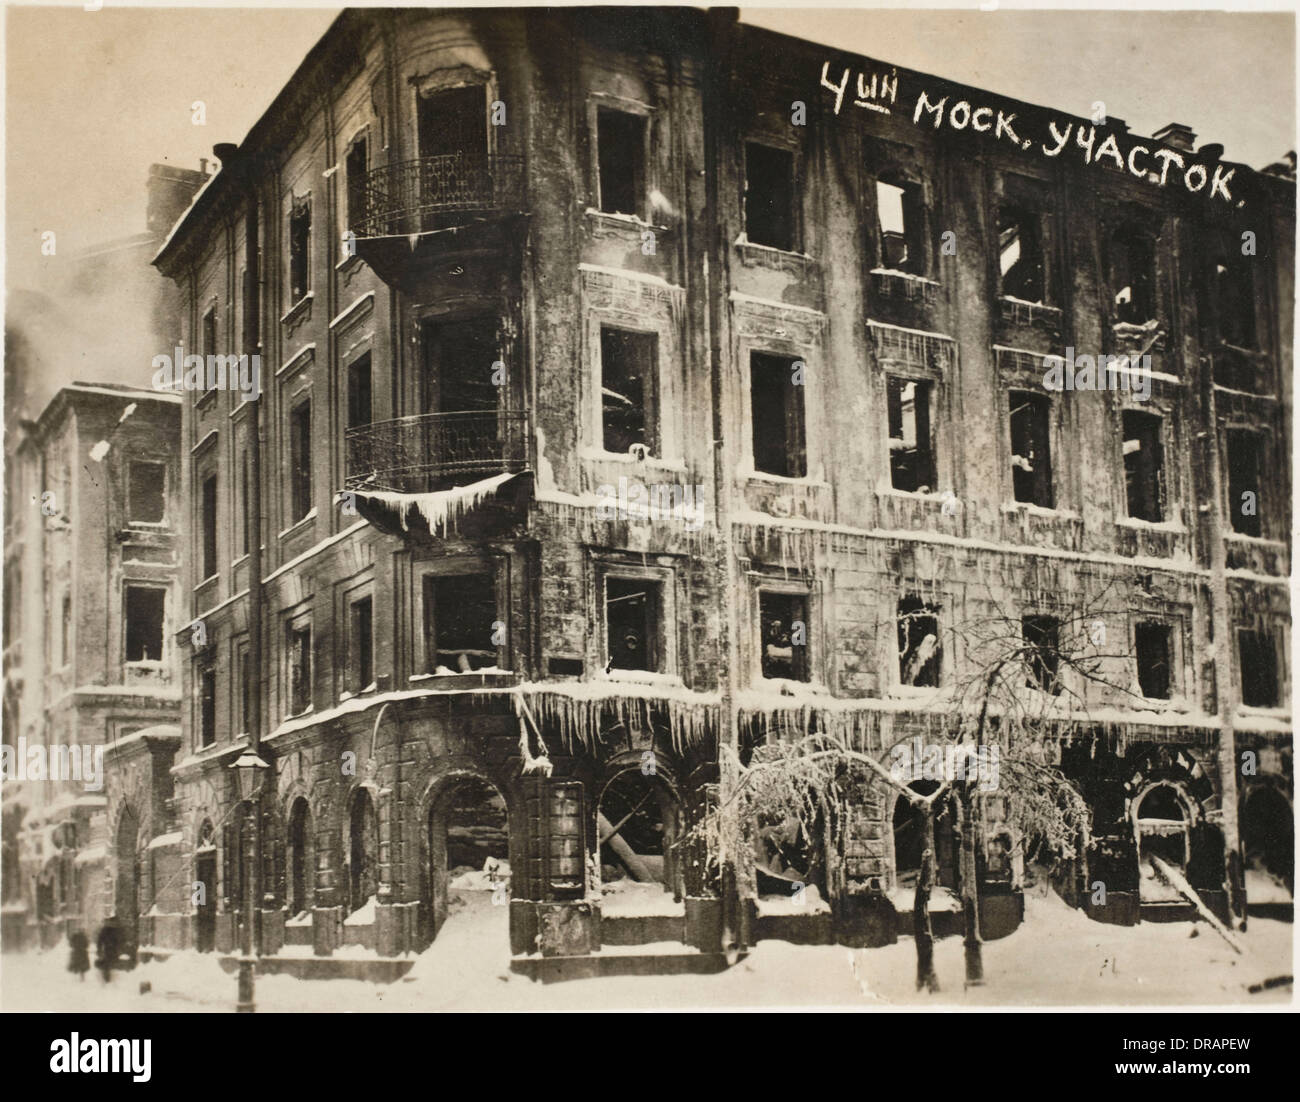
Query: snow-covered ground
[(1057, 958)]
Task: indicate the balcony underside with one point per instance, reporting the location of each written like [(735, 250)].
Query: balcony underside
[(489, 508)]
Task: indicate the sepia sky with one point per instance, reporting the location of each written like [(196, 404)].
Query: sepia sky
[(93, 98)]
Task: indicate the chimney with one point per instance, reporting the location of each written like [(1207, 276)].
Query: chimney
[(1211, 151), (225, 153), (170, 190), (1177, 136)]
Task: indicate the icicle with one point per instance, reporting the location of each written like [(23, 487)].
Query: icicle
[(441, 509)]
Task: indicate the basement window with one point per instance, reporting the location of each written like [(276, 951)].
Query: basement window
[(620, 156), (769, 196), (299, 461), (361, 645), (1043, 656), (459, 613), (1132, 275), (209, 507), (143, 612), (146, 493), (628, 399), (1258, 660), (1031, 453), (356, 166), (633, 614), (1153, 643), (1144, 473), (299, 249), (1243, 481), (207, 706), (918, 642), (899, 218), (911, 455), (1021, 259), (777, 415), (783, 621), (298, 641)]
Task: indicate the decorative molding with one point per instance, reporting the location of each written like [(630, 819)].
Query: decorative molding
[(629, 292), (917, 349), (760, 319)]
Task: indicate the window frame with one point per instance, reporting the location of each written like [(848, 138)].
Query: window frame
[(797, 230), (605, 101), (666, 642), (163, 655), (131, 520)]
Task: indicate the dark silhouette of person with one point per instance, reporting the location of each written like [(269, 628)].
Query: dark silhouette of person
[(78, 953), (109, 946)]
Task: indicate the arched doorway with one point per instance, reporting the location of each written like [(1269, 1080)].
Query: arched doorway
[(638, 821), (363, 851), (909, 840), (301, 859), (205, 876), (126, 889), (1268, 837), (1162, 819), (467, 847)]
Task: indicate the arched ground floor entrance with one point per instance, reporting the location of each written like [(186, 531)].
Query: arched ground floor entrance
[(1268, 842), (466, 852)]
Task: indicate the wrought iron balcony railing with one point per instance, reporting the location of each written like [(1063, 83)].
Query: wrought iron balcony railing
[(420, 195), (432, 451)]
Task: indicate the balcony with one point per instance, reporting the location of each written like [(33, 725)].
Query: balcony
[(434, 451)]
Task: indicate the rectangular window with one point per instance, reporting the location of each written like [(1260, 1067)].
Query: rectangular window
[(65, 632), (911, 456), (783, 620), (1043, 656), (146, 492), (628, 400), (632, 623), (298, 641), (769, 196), (1133, 275), (299, 461), (777, 416), (207, 707), (1031, 452), (210, 331), (1144, 466), (1153, 643), (356, 167), (1234, 297), (246, 499), (245, 691), (918, 642), (1021, 261), (899, 216), (620, 156), (252, 271), (460, 611), (359, 383), (209, 526), (361, 642), (1243, 481), (143, 613), (1258, 659), (299, 250)]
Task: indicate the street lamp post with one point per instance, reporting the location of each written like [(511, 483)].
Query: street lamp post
[(249, 771)]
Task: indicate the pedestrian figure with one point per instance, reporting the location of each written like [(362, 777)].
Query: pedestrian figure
[(78, 955), (108, 946)]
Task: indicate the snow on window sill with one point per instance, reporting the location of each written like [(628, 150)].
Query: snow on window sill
[(782, 480), (298, 307), (1009, 507), (297, 524), (1175, 526), (743, 242), (659, 463), (298, 715), (644, 677)]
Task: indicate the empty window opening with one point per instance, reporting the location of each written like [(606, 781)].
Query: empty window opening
[(1144, 466), (632, 623), (1154, 645), (1132, 275), (209, 526), (302, 859), (918, 642), (459, 615), (911, 455), (628, 365), (637, 819), (777, 414), (361, 645), (245, 691), (356, 166), (899, 217), (458, 365), (299, 461), (620, 155), (1020, 254), (146, 493), (359, 390), (1042, 652), (452, 125), (210, 331), (909, 840), (299, 250), (783, 618), (1162, 832), (363, 851), (769, 196), (467, 844), (1234, 296), (207, 707), (144, 623), (1031, 453), (299, 646), (1258, 660), (1243, 481)]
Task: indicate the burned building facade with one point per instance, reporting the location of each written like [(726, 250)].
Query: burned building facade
[(640, 384)]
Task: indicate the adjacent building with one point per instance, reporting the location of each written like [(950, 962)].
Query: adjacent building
[(638, 383)]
